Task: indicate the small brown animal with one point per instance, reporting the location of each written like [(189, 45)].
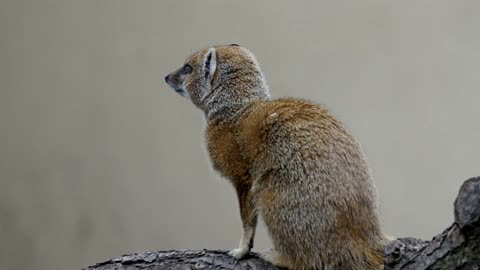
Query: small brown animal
[(289, 160)]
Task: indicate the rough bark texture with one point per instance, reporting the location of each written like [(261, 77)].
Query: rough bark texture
[(458, 247)]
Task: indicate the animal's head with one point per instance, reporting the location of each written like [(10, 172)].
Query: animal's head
[(217, 74)]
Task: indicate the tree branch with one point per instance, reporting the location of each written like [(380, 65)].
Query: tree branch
[(183, 259), (458, 247)]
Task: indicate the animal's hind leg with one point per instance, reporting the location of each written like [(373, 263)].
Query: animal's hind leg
[(274, 257)]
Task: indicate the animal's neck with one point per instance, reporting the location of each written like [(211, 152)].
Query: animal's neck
[(227, 105)]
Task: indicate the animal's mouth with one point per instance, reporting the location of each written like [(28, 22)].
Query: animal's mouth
[(181, 92)]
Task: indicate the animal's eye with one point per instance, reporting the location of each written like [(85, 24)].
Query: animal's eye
[(187, 69)]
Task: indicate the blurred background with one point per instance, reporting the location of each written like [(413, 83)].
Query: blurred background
[(98, 157)]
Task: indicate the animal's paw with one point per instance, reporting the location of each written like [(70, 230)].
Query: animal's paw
[(274, 257), (239, 253)]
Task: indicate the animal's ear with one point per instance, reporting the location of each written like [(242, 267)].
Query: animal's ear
[(210, 64)]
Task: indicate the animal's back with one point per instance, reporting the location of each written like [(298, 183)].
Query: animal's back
[(312, 186)]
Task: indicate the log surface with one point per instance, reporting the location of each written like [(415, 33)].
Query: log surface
[(457, 247)]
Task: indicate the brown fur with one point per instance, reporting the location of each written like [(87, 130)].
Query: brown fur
[(289, 160)]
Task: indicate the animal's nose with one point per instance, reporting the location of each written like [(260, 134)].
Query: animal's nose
[(166, 78)]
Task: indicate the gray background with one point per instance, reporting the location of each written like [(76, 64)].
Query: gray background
[(98, 157)]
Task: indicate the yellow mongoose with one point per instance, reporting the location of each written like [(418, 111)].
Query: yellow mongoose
[(289, 160)]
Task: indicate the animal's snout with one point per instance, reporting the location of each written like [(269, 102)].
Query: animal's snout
[(167, 77)]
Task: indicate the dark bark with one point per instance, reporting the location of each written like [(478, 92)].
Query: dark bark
[(458, 247), (183, 260)]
